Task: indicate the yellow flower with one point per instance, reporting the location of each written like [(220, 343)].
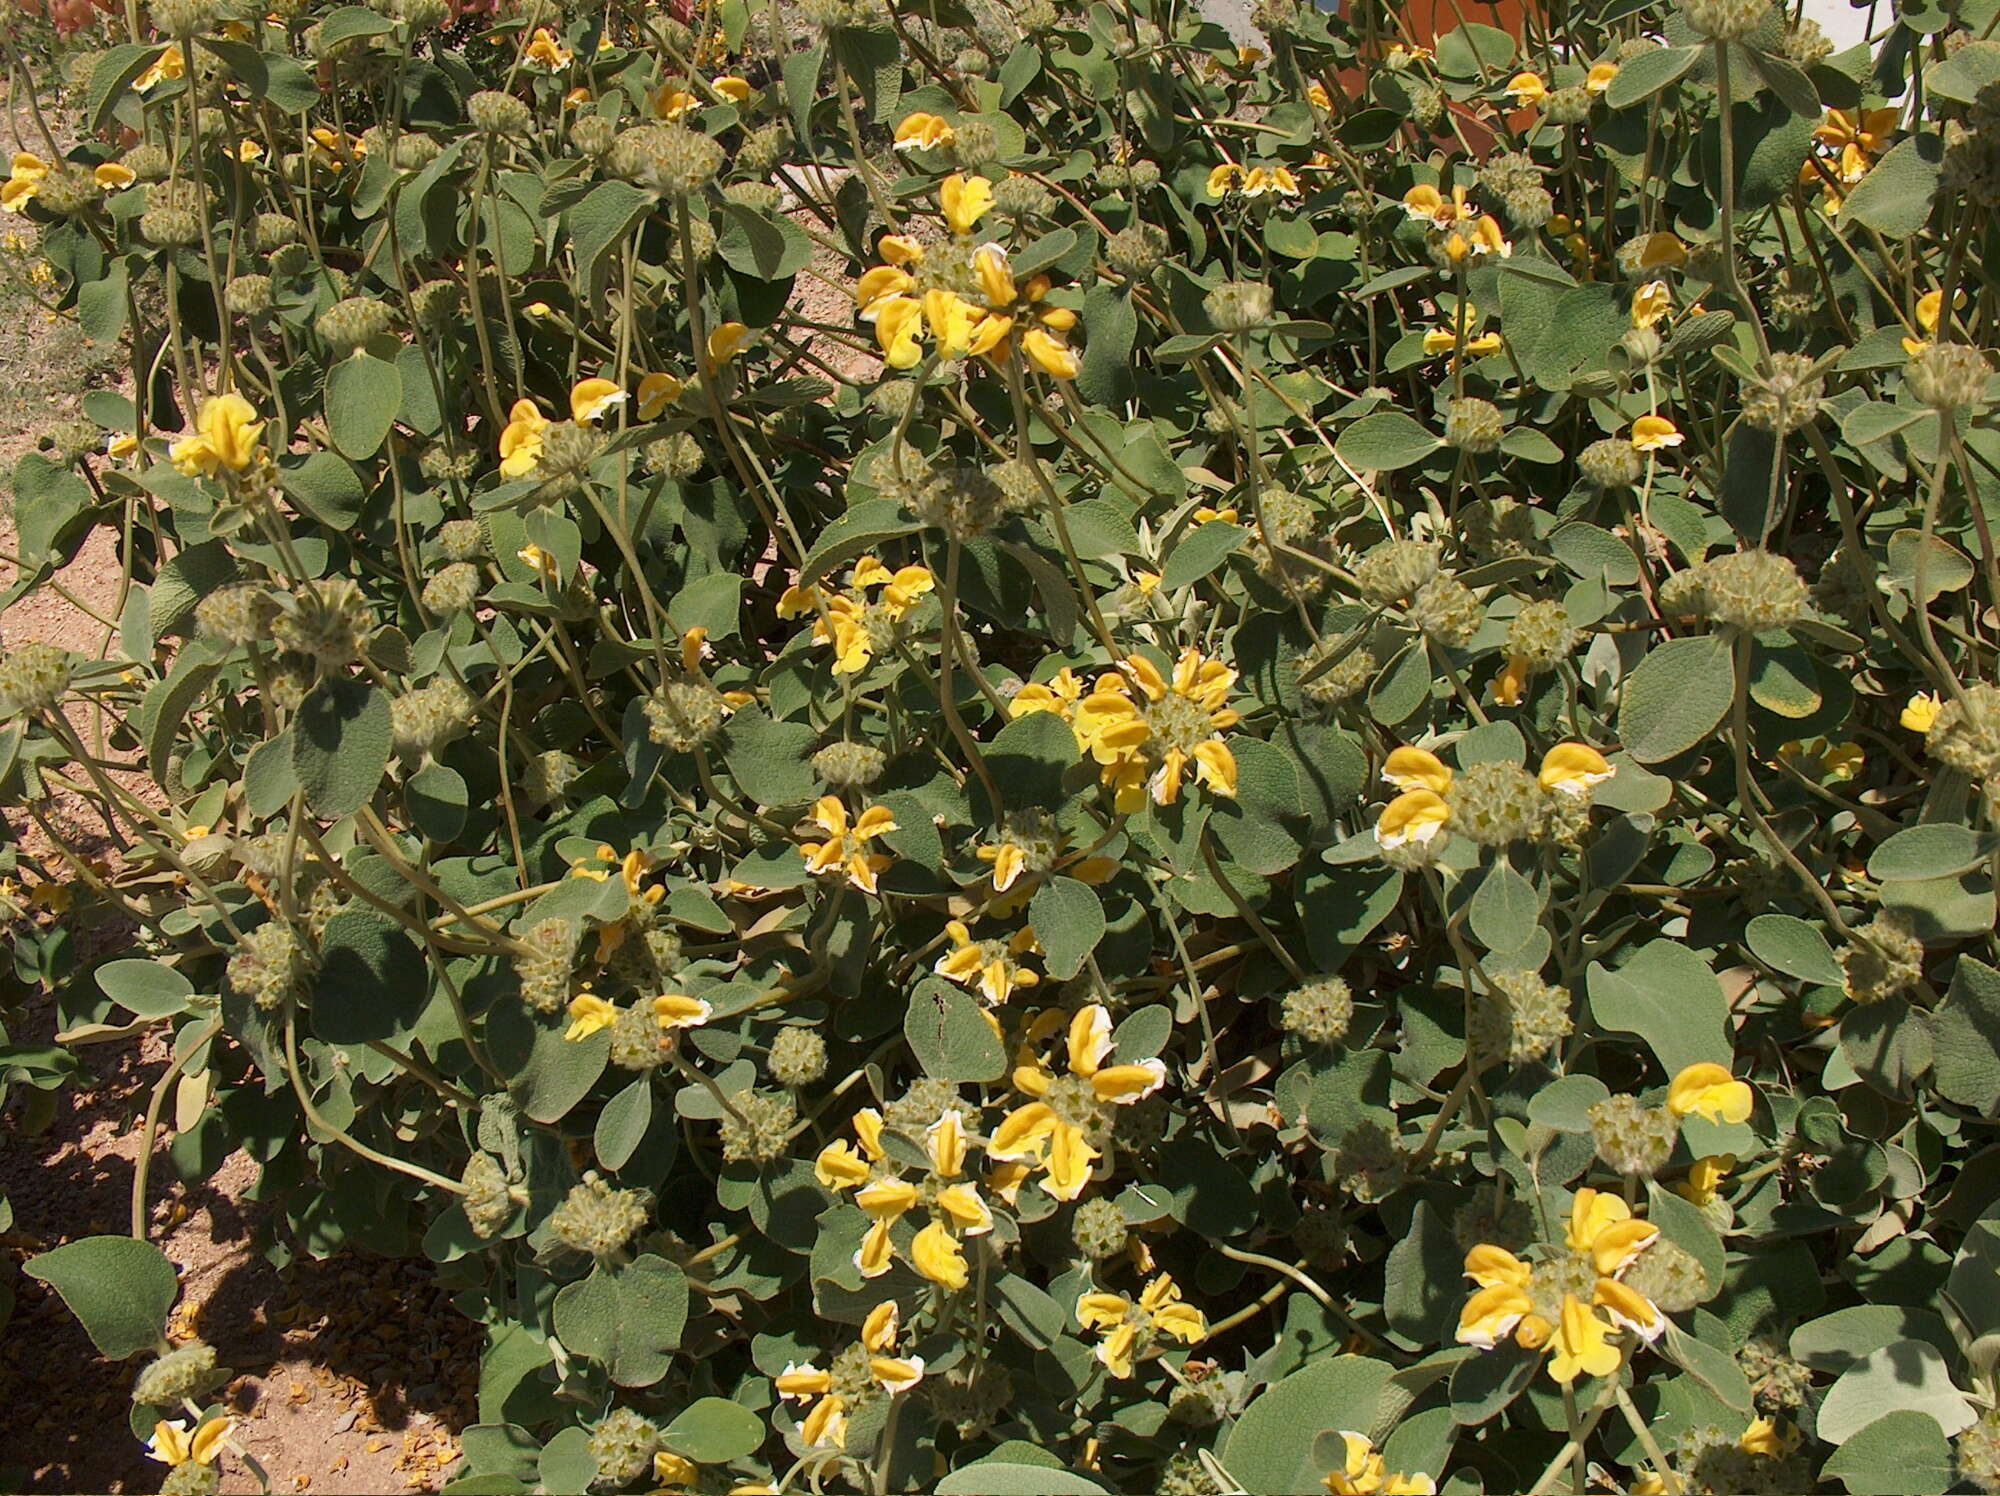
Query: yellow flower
[(1582, 1344), (1401, 56), (1363, 1473), (1526, 89), (672, 1471), (996, 279), (736, 90), (1036, 1133), (846, 846), (1921, 711), (112, 176), (1316, 95), (1128, 1328), (521, 440), (1628, 1309), (1511, 682), (588, 1014), (1654, 434), (249, 150), (1425, 203), (825, 1424), (226, 437), (1459, 335), (1148, 745), (656, 393), (1492, 1314), (1704, 1177), (591, 398), (1820, 758), (990, 965), (954, 1203), (1930, 310), (898, 320), (1573, 769), (1414, 816), (725, 342), (1053, 358), (670, 103), (1600, 77), (576, 98), (880, 284), (964, 201), (924, 132), (675, 1011), (1277, 180), (1765, 1437), (1864, 131), (540, 561), (172, 1444), (1662, 251), (538, 310), (1650, 303), (1222, 178), (545, 52), (1416, 769), (1059, 694), (170, 65), (1207, 516), (1708, 1090)]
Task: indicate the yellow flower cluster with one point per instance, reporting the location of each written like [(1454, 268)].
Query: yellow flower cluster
[(1420, 812), (953, 1202), (1145, 730), (825, 1424), (855, 624), (887, 297), (1048, 1132)]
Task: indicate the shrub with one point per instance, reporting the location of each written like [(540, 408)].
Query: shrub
[(975, 738)]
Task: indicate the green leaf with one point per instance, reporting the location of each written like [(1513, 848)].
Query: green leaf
[(991, 1478), (1903, 1376), (121, 1290), (547, 1074), (1930, 851), (149, 988), (948, 1033), (566, 1467), (1966, 1031), (761, 247), (1945, 567), (1110, 328), (1646, 74), (112, 76), (1068, 918), (598, 224), (1423, 1287), (1030, 1313), (1472, 49), (1903, 1453), (1270, 1450), (437, 800), (340, 745), (363, 394), (622, 1125), (1385, 441), (1666, 994), (628, 1320), (369, 985), (1505, 910), (351, 22), (1895, 197), (714, 1431), (1200, 551), (1713, 1367), (769, 759), (1794, 947), (326, 487), (1675, 698)]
